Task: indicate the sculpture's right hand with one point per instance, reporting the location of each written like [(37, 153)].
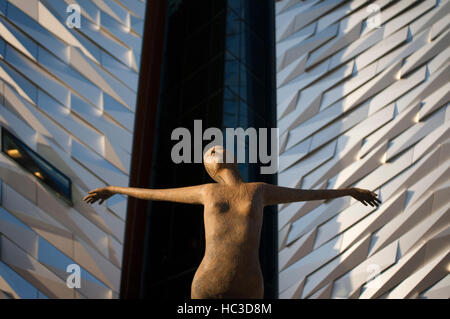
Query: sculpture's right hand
[(102, 193)]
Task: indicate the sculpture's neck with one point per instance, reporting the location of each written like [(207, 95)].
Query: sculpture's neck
[(230, 177)]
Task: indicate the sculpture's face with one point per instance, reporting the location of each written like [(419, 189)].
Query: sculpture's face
[(214, 160)]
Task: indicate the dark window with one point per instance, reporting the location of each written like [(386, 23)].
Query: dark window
[(45, 172)]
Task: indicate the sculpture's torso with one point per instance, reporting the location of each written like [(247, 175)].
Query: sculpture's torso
[(230, 268)]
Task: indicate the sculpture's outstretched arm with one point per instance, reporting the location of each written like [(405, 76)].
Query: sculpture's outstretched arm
[(187, 195), (277, 195)]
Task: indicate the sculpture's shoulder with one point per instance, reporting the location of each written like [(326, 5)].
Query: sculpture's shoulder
[(210, 188), (256, 187), (256, 190)]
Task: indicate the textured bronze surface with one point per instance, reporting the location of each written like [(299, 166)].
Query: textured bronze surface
[(233, 211)]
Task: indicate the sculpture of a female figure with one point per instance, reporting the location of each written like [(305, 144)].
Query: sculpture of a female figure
[(233, 214)]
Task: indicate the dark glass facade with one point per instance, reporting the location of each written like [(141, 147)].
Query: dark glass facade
[(218, 67), (249, 100)]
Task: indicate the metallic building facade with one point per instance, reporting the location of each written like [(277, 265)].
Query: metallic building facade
[(363, 101), (69, 93)]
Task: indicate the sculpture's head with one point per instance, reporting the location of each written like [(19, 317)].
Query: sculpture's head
[(215, 162)]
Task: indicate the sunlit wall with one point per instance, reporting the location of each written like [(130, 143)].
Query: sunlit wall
[(68, 91), (363, 101)]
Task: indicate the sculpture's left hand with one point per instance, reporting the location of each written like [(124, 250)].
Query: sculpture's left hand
[(365, 196)]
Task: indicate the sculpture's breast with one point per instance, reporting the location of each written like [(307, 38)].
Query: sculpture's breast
[(221, 207)]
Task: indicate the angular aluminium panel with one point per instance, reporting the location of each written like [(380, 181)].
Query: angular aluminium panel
[(69, 93), (363, 101)]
